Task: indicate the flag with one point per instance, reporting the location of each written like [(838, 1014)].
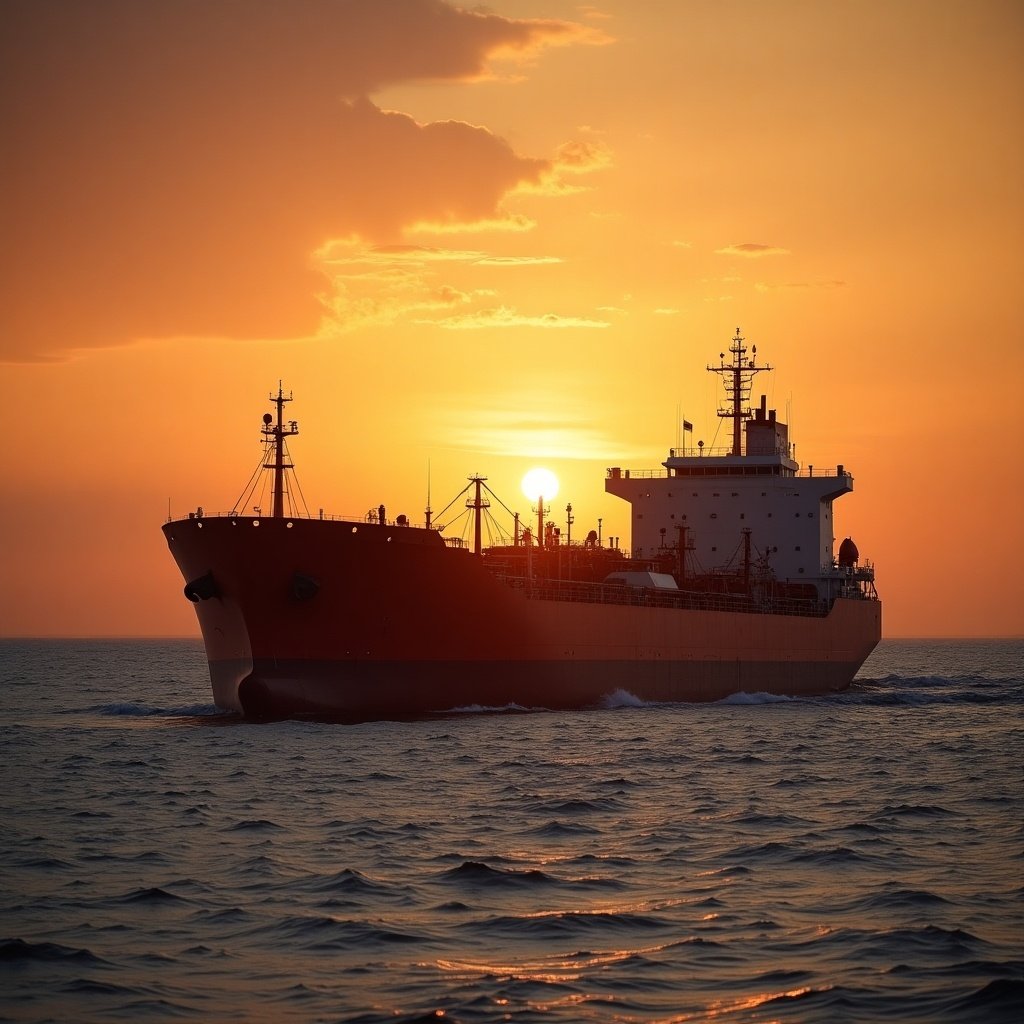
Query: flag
[(687, 425)]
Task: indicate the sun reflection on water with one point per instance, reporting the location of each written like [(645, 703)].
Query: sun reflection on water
[(562, 969)]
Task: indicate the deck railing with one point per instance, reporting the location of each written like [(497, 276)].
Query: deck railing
[(617, 473), (649, 597), (367, 517)]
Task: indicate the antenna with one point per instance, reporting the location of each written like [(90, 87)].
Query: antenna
[(275, 435), (427, 522), (737, 377)]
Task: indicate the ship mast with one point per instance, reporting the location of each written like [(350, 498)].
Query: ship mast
[(478, 503), (737, 377), (275, 433)]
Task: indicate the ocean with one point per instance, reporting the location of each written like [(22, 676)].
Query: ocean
[(858, 857)]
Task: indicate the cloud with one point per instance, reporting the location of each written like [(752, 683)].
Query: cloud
[(352, 251), (502, 316), (752, 250), (517, 261), (455, 225), (761, 286), (387, 301), (534, 424), (593, 12), (171, 165), (379, 285), (571, 159), (373, 285)]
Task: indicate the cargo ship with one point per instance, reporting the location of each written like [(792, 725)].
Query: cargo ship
[(729, 584)]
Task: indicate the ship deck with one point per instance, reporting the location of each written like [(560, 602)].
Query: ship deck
[(693, 600)]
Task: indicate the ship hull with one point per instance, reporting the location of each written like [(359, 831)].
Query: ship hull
[(366, 621)]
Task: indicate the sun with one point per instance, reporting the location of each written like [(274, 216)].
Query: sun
[(540, 483)]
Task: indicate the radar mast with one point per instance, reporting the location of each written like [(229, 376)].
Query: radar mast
[(275, 433), (737, 377)]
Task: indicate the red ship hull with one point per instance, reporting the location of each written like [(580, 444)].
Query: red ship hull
[(365, 620)]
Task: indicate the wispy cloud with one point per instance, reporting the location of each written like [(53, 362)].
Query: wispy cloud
[(533, 35), (502, 222), (571, 161), (763, 286), (373, 285), (353, 252), (528, 424), (586, 11), (752, 250), (503, 316), (517, 261)]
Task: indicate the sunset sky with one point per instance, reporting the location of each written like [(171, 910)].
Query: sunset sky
[(485, 239)]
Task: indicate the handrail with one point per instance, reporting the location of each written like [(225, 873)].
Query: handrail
[(618, 594), (618, 473), (321, 517)]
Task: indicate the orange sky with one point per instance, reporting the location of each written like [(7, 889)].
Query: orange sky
[(482, 242)]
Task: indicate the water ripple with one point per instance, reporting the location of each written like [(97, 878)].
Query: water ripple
[(852, 857)]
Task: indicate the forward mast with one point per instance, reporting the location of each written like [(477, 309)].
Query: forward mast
[(274, 434)]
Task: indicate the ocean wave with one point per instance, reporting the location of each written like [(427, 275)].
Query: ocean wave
[(475, 873), (899, 898), (624, 699), (129, 710), (92, 987), (926, 690), (914, 811), (225, 915), (758, 697), (620, 781), (760, 852), (490, 709), (349, 881), (966, 680), (152, 894), (262, 866), (756, 819), (20, 951), (562, 829), (253, 825), (143, 1009), (577, 806), (932, 937), (321, 933), (839, 856), (1002, 996), (566, 924), (43, 864), (901, 950)]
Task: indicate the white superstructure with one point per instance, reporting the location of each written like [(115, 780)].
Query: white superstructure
[(749, 509)]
